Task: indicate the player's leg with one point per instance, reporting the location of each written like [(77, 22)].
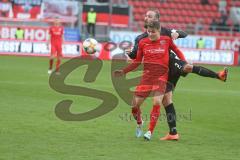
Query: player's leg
[(51, 58), (88, 29), (93, 29), (154, 115), (205, 72), (173, 77), (59, 57), (171, 117), (170, 112), (136, 112)]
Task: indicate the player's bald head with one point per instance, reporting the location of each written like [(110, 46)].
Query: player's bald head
[(151, 15)]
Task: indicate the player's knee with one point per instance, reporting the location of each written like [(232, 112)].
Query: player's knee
[(188, 68), (136, 104), (166, 101), (157, 102)]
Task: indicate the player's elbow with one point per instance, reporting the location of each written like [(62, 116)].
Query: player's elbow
[(182, 34)]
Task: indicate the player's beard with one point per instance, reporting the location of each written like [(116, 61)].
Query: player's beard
[(145, 24)]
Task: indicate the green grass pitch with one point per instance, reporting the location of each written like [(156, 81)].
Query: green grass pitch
[(208, 121)]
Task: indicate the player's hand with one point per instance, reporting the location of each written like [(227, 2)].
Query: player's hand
[(174, 35), (48, 46), (118, 73), (128, 51)]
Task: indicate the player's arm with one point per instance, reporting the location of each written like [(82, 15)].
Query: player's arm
[(181, 33), (133, 53), (49, 38), (50, 34), (135, 63), (174, 34), (62, 34), (177, 51)]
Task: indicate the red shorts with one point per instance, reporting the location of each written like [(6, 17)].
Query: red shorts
[(149, 85), (56, 50)]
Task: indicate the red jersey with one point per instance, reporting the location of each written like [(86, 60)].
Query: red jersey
[(56, 33), (155, 56)]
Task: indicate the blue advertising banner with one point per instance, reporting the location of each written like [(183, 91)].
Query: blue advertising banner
[(72, 35)]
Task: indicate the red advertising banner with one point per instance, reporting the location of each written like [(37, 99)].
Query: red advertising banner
[(38, 48), (210, 56), (30, 33), (228, 43)]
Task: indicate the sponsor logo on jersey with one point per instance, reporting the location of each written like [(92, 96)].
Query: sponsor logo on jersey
[(155, 50), (162, 42)]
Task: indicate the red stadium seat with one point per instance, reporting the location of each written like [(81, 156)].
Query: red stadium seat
[(199, 7), (162, 12), (180, 19), (138, 17), (183, 13), (145, 4), (207, 8), (198, 14), (211, 14), (208, 20), (171, 5), (141, 11), (188, 19), (214, 8), (205, 14), (151, 4), (193, 7), (178, 6), (237, 3), (169, 12), (158, 6), (194, 20), (163, 19), (164, 5), (190, 13), (178, 12), (137, 4), (236, 34)]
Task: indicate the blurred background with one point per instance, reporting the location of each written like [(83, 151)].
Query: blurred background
[(215, 22), (207, 109)]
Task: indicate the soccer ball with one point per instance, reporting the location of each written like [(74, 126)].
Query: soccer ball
[(90, 45)]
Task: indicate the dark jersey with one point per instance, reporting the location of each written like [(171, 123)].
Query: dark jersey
[(164, 32), (154, 52)]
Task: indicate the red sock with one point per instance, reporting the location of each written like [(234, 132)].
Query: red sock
[(136, 112), (58, 65), (154, 117), (50, 64)]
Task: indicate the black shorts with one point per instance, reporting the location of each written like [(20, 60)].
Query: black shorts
[(175, 71)]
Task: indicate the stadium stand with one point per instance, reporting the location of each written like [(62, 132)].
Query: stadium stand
[(184, 13)]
